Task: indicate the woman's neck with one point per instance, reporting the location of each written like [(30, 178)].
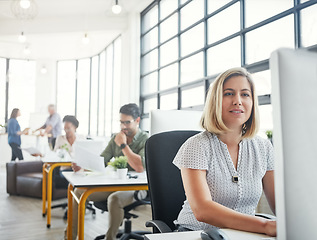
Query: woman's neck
[(231, 137), (71, 139)]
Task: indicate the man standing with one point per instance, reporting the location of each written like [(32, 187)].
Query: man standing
[(129, 142), (52, 126)]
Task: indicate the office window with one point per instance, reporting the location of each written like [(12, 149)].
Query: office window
[(198, 39), (90, 89), (308, 26), (22, 89), (94, 96), (3, 67), (101, 94), (66, 87), (83, 86), (259, 46)]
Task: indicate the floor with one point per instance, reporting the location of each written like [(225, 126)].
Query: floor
[(21, 218)]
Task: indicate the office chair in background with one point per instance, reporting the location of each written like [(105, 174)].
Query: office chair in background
[(165, 184), (127, 233)]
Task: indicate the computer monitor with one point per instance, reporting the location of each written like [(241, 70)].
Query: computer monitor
[(170, 120), (294, 99)]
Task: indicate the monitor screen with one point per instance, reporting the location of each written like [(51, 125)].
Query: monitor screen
[(170, 120), (294, 99)]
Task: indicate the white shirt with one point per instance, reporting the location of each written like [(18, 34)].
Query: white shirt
[(206, 151)]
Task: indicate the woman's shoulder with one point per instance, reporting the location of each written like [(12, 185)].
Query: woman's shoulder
[(259, 142), (200, 138)]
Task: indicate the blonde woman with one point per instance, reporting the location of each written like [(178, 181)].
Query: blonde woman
[(225, 168)]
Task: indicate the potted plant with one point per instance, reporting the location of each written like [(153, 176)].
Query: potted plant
[(120, 164), (269, 134)]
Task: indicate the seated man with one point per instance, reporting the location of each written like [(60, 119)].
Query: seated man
[(130, 141)]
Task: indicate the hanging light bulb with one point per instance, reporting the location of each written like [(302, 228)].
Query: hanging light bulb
[(116, 9), (25, 4), (27, 50), (22, 37), (85, 39), (43, 70)]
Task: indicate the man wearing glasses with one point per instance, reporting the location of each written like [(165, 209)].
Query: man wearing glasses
[(129, 142)]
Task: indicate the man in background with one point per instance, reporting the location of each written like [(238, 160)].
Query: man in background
[(52, 127), (129, 142)]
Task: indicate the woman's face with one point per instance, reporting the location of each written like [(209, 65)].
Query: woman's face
[(18, 113), (237, 102), (69, 129)]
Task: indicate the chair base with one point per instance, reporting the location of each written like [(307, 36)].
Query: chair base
[(127, 233)]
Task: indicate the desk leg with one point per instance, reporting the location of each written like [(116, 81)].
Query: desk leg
[(49, 196), (81, 213), (44, 185), (70, 212)]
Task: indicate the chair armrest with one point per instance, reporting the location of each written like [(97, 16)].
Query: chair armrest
[(265, 215), (159, 225)]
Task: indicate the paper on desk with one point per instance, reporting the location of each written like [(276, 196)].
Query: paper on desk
[(32, 150)]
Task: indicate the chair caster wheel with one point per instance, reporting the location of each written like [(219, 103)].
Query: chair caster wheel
[(43, 215), (48, 225)]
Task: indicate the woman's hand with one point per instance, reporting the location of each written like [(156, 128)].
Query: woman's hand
[(75, 167), (270, 228)]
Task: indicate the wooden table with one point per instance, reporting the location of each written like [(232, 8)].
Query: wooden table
[(47, 182), (96, 182)]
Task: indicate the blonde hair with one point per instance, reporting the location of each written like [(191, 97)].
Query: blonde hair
[(211, 119)]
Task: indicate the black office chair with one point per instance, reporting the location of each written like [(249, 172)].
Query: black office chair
[(164, 179), (127, 232)]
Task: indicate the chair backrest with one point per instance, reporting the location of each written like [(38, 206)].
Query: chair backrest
[(164, 179)]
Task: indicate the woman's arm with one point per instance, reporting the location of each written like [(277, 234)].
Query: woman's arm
[(268, 187), (208, 211)]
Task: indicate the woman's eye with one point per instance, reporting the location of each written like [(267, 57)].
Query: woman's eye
[(246, 94), (228, 94)]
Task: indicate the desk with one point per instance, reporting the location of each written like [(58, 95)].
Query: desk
[(95, 182), (195, 235), (47, 182)]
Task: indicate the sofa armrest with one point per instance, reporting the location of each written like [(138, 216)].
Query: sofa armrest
[(11, 178)]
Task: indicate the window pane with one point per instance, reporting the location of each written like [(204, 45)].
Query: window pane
[(309, 26), (83, 78), (219, 26), (192, 40), (266, 119), (168, 28), (22, 89), (94, 96), (169, 76), (262, 81), (192, 68), (260, 43), (116, 85), (109, 92), (169, 52), (191, 13), (224, 56), (149, 62), (193, 97), (150, 104), (150, 19), (167, 7), (102, 89), (3, 67), (213, 5), (257, 11), (168, 102), (149, 83), (66, 87), (150, 40)]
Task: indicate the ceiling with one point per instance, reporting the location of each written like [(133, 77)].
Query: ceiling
[(57, 30)]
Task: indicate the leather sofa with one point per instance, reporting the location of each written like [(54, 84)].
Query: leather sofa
[(24, 178)]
